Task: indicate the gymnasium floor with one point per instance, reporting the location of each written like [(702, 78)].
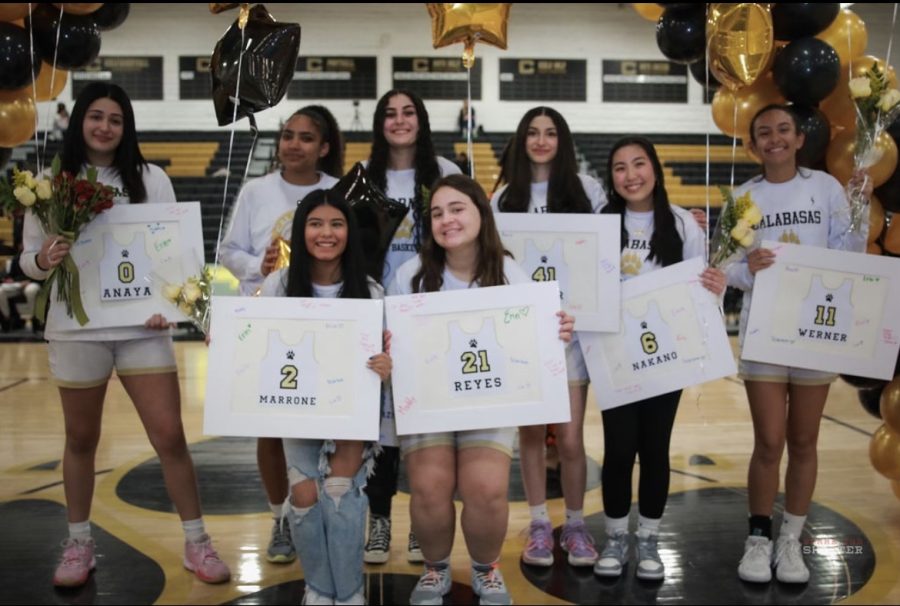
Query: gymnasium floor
[(853, 529)]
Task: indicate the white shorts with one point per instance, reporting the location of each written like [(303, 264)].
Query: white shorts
[(576, 368), (83, 364), (773, 373), (500, 438)]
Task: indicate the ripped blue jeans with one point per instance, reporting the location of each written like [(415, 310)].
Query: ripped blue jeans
[(329, 538)]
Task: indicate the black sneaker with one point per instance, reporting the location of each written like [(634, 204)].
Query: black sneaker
[(378, 547)]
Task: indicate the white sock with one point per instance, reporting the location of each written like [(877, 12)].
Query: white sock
[(539, 513), (648, 526), (194, 530), (792, 525), (300, 512), (276, 510), (80, 531), (616, 525), (484, 567), (574, 516), (336, 488), (439, 564)]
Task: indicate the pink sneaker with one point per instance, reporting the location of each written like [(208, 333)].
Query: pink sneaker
[(201, 559), (76, 564)]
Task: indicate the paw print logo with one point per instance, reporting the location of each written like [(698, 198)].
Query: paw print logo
[(543, 258), (473, 344), (829, 298), (124, 254), (790, 237), (631, 264), (290, 355)]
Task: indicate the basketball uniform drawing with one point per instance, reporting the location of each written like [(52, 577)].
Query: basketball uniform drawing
[(289, 373), (648, 340), (826, 314), (124, 270), (476, 364), (547, 265)]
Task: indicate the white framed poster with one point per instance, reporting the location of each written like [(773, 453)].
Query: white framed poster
[(826, 310), (672, 336), (477, 358), (127, 254), (293, 368), (580, 251)]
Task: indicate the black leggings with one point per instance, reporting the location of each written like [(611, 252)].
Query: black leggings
[(382, 486), (643, 429)]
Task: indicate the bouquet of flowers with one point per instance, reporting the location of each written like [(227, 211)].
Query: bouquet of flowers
[(63, 204), (876, 107), (734, 231), (193, 298)]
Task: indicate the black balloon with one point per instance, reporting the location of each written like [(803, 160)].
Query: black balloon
[(792, 21), (267, 65), (111, 15), (681, 33), (889, 191), (18, 65), (377, 216), (702, 75), (863, 382), (815, 126), (806, 71), (79, 37), (871, 400)]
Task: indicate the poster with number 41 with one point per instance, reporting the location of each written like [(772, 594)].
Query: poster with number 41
[(826, 310)]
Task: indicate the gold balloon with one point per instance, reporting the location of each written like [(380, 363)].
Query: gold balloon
[(890, 405), (839, 158), (468, 23), (284, 253), (74, 8), (42, 83), (847, 35), (220, 7), (876, 219), (17, 117), (884, 452), (648, 10), (838, 106), (739, 39), (892, 237), (13, 11), (872, 248), (748, 100)]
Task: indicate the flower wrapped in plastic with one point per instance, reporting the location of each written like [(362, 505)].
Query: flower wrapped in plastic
[(63, 205), (192, 298), (735, 230), (876, 107)]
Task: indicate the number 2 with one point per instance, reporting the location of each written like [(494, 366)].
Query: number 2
[(289, 373)]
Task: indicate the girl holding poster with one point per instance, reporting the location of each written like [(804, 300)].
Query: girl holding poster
[(543, 177), (461, 250), (310, 157), (327, 512), (101, 133), (404, 165), (655, 234), (805, 207)]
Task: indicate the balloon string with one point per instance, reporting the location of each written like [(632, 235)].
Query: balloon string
[(235, 102), (469, 151), (887, 58), (37, 140), (49, 113), (705, 98), (734, 144)]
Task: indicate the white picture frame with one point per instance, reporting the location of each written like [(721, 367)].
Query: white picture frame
[(859, 332), (520, 362), (588, 276), (163, 244), (261, 352), (672, 336)]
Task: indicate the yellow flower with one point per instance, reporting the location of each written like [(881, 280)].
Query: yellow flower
[(740, 230), (186, 308), (889, 100), (191, 292), (860, 87), (752, 215), (23, 178), (43, 189), (24, 195), (747, 240), (171, 292)]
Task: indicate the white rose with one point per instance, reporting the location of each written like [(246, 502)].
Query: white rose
[(191, 292), (171, 292), (889, 100), (740, 230), (44, 190), (24, 195), (747, 240), (860, 87)]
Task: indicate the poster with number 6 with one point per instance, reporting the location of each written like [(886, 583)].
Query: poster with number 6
[(286, 367), (826, 310), (477, 359), (127, 254)]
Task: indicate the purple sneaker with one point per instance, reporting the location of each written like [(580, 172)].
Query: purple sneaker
[(579, 544), (539, 549)]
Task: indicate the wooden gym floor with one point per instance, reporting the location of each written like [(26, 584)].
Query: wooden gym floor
[(853, 534)]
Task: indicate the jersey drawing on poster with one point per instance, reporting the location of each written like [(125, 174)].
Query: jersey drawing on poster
[(125, 269)]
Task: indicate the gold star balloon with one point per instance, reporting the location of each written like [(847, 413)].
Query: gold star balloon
[(468, 23)]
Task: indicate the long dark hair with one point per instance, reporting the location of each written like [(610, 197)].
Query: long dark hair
[(353, 263), (426, 164), (565, 193), (489, 270), (128, 161), (331, 163), (666, 244)]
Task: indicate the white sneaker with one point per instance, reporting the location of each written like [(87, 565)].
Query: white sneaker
[(789, 565), (756, 565), (357, 599), (432, 586), (311, 597), (490, 587)]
